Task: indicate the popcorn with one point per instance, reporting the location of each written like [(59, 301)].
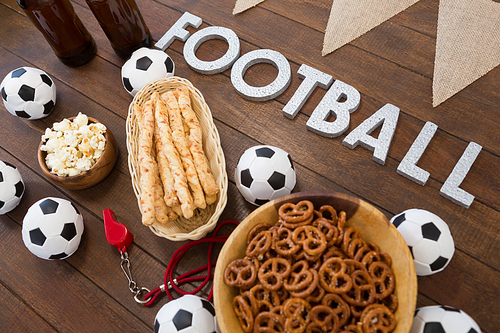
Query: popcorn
[(73, 147)]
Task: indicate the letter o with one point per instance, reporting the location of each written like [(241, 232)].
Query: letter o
[(272, 90)]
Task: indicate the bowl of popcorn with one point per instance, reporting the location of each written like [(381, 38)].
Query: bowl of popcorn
[(77, 153)]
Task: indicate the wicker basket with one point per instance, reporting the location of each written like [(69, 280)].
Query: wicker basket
[(206, 219)]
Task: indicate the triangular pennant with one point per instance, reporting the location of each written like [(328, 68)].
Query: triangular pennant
[(350, 19), (467, 45), (242, 5)]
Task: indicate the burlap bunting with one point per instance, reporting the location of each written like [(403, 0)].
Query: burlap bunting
[(467, 45), (350, 19), (468, 36), (242, 5)]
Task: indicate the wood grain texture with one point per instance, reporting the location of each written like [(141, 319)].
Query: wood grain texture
[(393, 63)]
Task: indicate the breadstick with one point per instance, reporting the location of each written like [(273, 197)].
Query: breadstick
[(163, 165), (146, 165), (174, 160), (196, 146), (161, 212), (179, 138)]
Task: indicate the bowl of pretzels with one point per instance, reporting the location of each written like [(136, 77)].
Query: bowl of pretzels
[(175, 160), (315, 262)]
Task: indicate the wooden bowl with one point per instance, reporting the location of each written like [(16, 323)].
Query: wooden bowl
[(371, 224), (88, 178)]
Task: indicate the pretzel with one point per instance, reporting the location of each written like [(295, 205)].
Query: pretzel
[(196, 146), (272, 273), (255, 230), (296, 311), (317, 295), (295, 215), (240, 273), (307, 290), (311, 239), (328, 209), (377, 318), (363, 289), (243, 311), (383, 278), (283, 242), (268, 322), (341, 221), (259, 245), (329, 230), (300, 276), (174, 160), (180, 141), (263, 299), (391, 302), (333, 276), (324, 317), (317, 275), (339, 307)]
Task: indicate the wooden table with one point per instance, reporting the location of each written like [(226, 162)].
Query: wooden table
[(391, 64)]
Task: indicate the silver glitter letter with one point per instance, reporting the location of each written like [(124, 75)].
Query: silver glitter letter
[(216, 66), (387, 116), (450, 189), (312, 78), (273, 89), (178, 30), (408, 167), (331, 104)]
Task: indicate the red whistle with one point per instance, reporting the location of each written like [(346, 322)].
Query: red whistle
[(117, 234)]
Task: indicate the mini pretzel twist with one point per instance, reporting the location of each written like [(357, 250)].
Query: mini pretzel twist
[(294, 215), (268, 322), (273, 271), (377, 318), (333, 276), (283, 242), (296, 311), (240, 273), (363, 289), (257, 229), (259, 245), (383, 278), (311, 239), (325, 318), (339, 307), (243, 310)]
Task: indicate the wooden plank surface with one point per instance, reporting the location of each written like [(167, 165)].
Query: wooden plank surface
[(393, 63)]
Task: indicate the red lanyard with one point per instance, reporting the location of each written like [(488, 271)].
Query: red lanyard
[(119, 236)]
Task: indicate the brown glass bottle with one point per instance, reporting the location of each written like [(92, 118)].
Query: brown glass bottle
[(61, 27), (123, 24)]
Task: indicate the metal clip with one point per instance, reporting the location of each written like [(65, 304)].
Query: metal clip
[(132, 285)]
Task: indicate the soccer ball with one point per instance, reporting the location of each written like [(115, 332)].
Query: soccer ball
[(52, 228), (144, 66), (11, 187), (428, 238), (264, 173), (443, 319), (188, 314), (28, 93)]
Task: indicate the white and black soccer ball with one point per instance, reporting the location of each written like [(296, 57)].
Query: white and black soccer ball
[(443, 319), (429, 239), (28, 93), (52, 228), (264, 173), (144, 66), (187, 314), (11, 187)]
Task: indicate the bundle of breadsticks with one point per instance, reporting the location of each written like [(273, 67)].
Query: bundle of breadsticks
[(175, 177)]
